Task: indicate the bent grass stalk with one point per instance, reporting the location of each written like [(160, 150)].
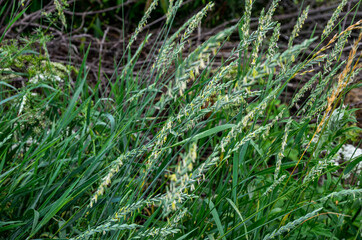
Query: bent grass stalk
[(332, 98)]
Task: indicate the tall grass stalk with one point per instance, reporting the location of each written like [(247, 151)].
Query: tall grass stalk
[(183, 145)]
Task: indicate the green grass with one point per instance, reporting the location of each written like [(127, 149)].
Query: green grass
[(182, 149)]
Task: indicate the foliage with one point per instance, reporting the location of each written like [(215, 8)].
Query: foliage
[(181, 149)]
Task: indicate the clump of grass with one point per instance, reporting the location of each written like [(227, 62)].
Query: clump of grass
[(183, 150)]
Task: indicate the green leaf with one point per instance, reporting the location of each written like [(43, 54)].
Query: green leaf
[(352, 164), (12, 22), (216, 217), (55, 208), (240, 216), (36, 219), (186, 235), (9, 98), (204, 134)]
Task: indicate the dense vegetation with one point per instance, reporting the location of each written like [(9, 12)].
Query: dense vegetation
[(181, 146)]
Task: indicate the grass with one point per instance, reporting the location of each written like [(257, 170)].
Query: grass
[(182, 149)]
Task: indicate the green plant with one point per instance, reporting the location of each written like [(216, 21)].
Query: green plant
[(181, 149)]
